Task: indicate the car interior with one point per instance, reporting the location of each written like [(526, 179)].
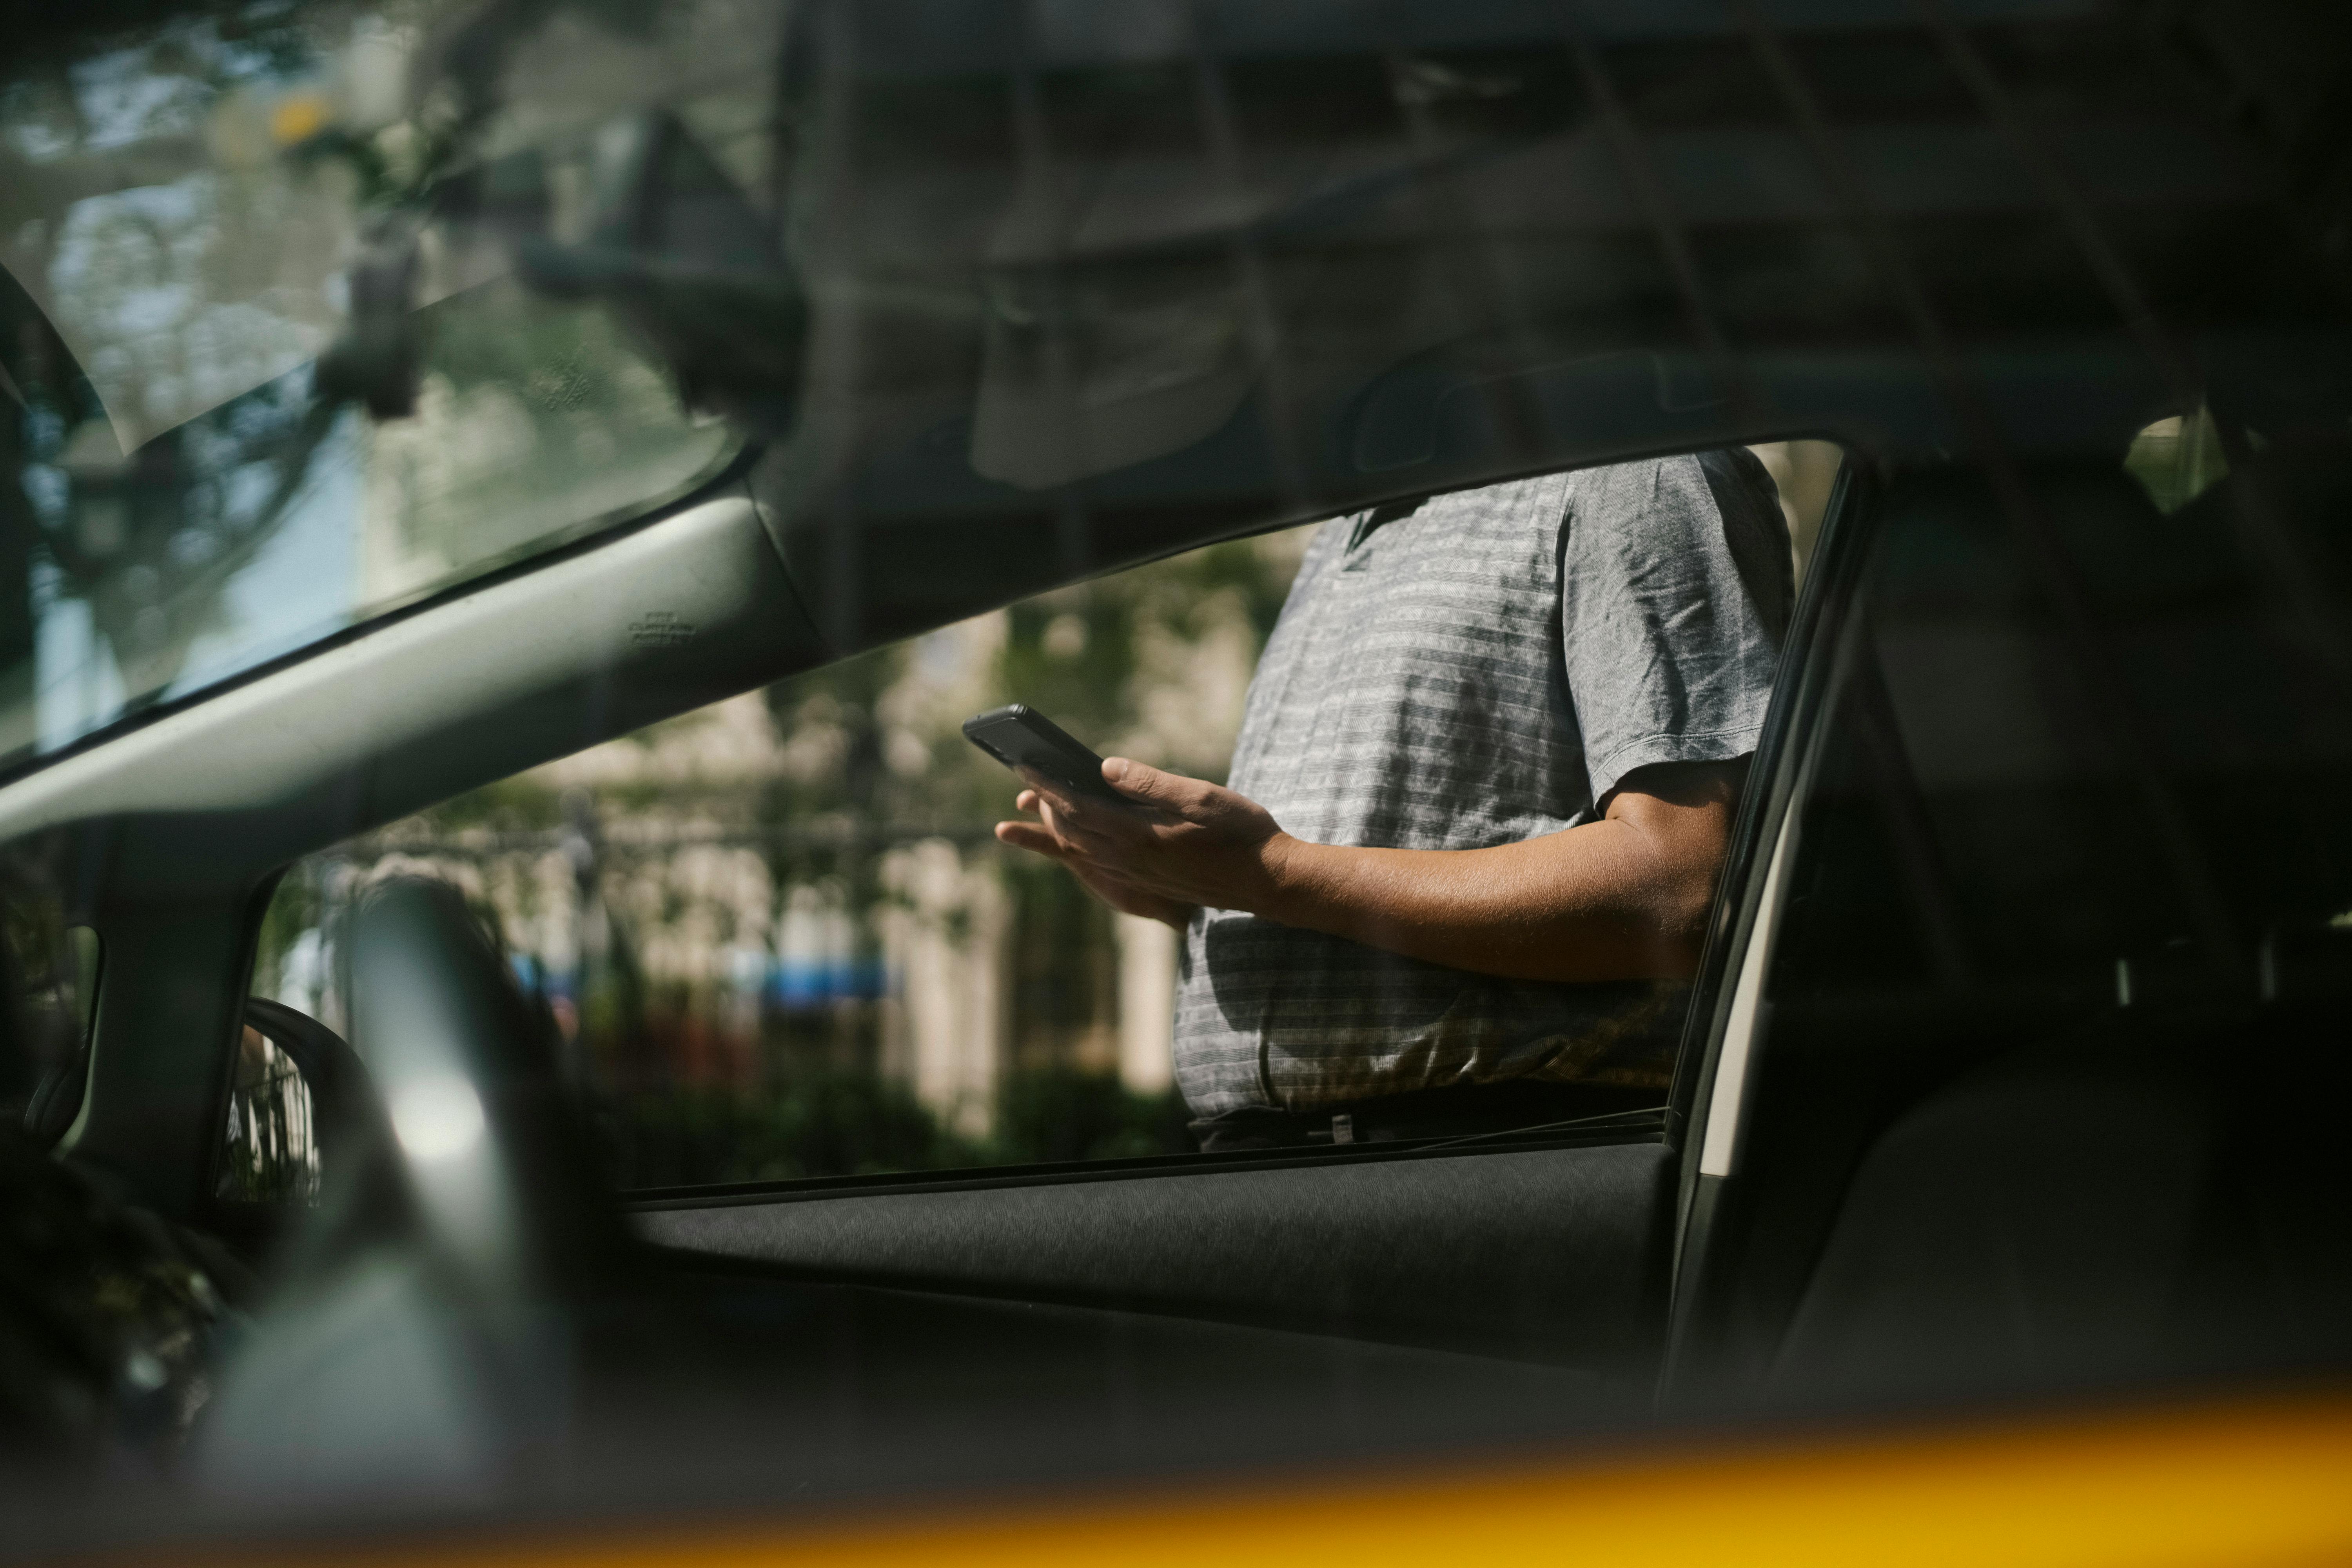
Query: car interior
[(2007, 1127), (2011, 1066), (2014, 1126)]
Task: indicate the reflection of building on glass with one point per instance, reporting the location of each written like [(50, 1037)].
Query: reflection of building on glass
[(274, 378)]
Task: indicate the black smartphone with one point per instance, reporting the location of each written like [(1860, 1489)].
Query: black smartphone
[(1020, 737)]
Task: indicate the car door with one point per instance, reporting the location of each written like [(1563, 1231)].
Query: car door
[(2012, 1085)]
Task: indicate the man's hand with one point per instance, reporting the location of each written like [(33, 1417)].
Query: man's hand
[(1186, 844), (1625, 897)]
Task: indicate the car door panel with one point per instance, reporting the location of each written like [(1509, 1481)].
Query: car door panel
[(1551, 1255)]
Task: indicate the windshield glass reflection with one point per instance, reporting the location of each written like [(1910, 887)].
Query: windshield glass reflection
[(270, 364)]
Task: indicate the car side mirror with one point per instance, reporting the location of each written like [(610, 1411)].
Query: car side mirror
[(295, 1096)]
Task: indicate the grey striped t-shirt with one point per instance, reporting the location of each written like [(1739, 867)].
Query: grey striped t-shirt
[(1480, 669)]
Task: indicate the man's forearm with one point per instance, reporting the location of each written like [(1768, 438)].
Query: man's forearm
[(1624, 898), (1595, 902)]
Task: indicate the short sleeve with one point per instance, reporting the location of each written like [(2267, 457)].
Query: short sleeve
[(1675, 586)]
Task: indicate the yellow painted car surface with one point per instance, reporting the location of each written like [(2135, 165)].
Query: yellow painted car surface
[(2262, 1482)]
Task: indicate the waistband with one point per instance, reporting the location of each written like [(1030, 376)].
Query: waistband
[(1455, 1111)]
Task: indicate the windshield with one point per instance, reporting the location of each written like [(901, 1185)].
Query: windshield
[(272, 369), (314, 309)]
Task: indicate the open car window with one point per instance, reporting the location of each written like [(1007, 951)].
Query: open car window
[(775, 939)]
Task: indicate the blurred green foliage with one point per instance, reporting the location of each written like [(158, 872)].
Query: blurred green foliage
[(1051, 1114), (823, 1124), (850, 1122)]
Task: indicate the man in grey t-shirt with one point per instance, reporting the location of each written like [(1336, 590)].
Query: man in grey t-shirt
[(1482, 793)]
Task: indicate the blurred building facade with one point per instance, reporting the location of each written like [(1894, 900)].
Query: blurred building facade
[(800, 887)]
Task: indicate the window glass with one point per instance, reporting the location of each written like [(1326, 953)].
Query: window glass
[(2069, 886), (2178, 460), (313, 308), (269, 362), (777, 938), (2056, 796)]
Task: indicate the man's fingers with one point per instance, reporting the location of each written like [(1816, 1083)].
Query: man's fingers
[(1060, 820), (1078, 819), (1136, 781), (1156, 787), (1045, 798), (1049, 800), (1029, 835)]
